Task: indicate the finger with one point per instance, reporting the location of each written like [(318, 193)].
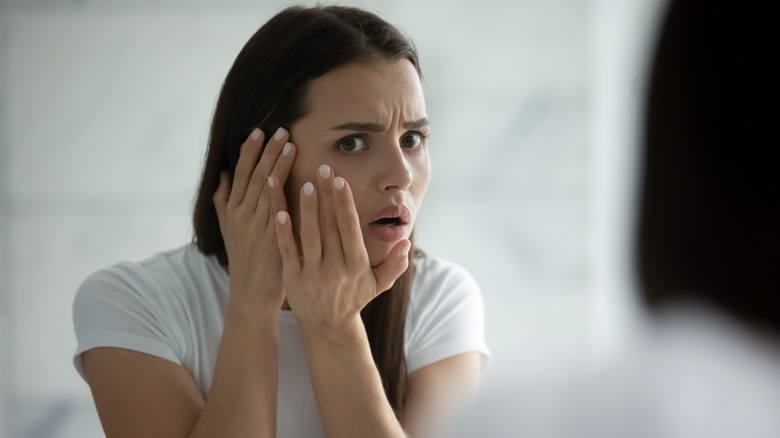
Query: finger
[(277, 199), (311, 246), (329, 226), (286, 242), (276, 182), (392, 268), (247, 160), (349, 224), (259, 182), (276, 143), (220, 199), (281, 169)]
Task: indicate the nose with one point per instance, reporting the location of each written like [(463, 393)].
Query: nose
[(395, 173)]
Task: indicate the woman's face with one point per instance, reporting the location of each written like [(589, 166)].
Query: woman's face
[(368, 123)]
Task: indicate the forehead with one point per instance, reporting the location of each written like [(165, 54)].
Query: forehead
[(367, 92)]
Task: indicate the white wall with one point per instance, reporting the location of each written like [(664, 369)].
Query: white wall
[(623, 34), (105, 113)]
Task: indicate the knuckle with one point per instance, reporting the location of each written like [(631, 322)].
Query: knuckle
[(241, 218), (309, 239), (248, 148), (309, 210), (334, 277), (350, 225), (331, 222), (342, 200), (265, 194), (287, 251), (240, 171)]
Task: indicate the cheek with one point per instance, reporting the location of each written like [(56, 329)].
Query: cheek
[(421, 176), (294, 182)]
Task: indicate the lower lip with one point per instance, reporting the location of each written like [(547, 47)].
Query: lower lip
[(389, 234)]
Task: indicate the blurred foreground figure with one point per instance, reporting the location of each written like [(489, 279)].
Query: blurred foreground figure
[(707, 360)]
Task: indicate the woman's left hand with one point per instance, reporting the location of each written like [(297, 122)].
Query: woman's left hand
[(332, 280)]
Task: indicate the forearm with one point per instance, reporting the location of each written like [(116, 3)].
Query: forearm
[(347, 384), (243, 396)]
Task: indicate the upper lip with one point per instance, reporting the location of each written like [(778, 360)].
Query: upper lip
[(397, 211)]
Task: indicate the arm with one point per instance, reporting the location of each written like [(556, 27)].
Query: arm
[(439, 392), (347, 385), (351, 398), (327, 287), (141, 395), (242, 399), (159, 391)]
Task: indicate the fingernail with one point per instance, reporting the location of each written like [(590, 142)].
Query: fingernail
[(338, 183), (271, 182), (324, 171), (287, 149), (281, 217), (279, 134), (308, 189), (256, 133), (405, 251)]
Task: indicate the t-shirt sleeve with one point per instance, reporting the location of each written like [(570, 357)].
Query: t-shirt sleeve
[(446, 316), (117, 308)]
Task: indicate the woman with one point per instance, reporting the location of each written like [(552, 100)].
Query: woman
[(301, 308)]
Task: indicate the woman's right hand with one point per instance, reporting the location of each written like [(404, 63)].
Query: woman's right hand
[(246, 211)]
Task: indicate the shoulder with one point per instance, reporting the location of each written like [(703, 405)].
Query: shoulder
[(438, 279), (445, 315), (174, 275), (435, 271), (151, 306), (168, 267)]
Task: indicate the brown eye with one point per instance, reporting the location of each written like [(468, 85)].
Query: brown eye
[(352, 144), (412, 140)]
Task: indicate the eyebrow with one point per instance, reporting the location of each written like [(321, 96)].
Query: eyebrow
[(376, 127)]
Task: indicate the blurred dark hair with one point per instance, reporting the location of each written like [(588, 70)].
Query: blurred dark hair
[(710, 195), (267, 88)]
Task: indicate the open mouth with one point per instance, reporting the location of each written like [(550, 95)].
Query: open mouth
[(387, 222), (391, 216)]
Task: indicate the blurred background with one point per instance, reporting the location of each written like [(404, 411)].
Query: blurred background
[(104, 114)]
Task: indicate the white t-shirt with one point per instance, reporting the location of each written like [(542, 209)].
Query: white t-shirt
[(172, 305)]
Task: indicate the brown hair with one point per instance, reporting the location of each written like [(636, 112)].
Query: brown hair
[(709, 222), (266, 88)]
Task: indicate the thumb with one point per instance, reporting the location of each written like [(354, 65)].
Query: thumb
[(392, 268), (221, 197)]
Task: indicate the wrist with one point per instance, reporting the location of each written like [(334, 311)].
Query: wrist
[(256, 298), (254, 312), (344, 334)]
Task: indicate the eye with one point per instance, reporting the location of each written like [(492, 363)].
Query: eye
[(412, 140), (351, 144)]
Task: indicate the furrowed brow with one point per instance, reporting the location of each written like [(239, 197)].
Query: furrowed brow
[(352, 126), (376, 127), (417, 124)]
